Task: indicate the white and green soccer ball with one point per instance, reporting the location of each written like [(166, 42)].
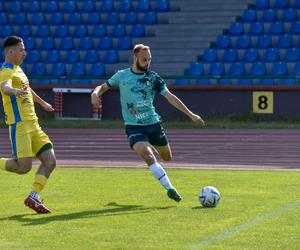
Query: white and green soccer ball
[(209, 196)]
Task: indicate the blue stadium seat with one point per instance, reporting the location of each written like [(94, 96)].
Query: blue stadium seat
[(209, 55), (262, 4), (24, 31), (72, 56), (66, 43), (223, 42), (42, 31), (124, 43), (196, 69), (112, 18), (99, 30), (285, 41), (51, 7), (131, 17), (15, 6), (249, 15), (38, 18), (3, 19), (258, 69), (87, 6), (216, 69), (296, 69), (29, 42), (150, 18), (69, 6), (61, 31), (236, 28), (56, 18), (237, 69), (97, 69), (250, 55), (111, 56), (91, 56), (33, 56), (58, 69), (32, 6), (107, 6), (105, 43), (230, 55), (162, 5), (243, 42), (125, 6), (281, 4), (256, 28), (271, 55), (47, 43), (276, 28), (80, 31), (279, 69), (137, 30), (269, 15), (20, 18), (289, 15), (52, 56), (118, 30), (38, 69), (297, 4), (77, 69), (292, 55), (6, 30), (85, 43), (93, 18), (143, 5), (264, 41), (295, 28), (73, 18)]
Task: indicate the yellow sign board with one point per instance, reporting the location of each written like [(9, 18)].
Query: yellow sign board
[(263, 102)]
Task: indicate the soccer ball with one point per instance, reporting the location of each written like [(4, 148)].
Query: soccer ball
[(209, 196)]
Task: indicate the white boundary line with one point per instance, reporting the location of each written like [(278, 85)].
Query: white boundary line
[(234, 230)]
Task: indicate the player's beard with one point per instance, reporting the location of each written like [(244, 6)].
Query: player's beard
[(141, 68)]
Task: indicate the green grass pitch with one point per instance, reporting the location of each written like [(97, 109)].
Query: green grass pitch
[(102, 208)]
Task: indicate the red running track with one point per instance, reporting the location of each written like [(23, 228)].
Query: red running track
[(203, 148)]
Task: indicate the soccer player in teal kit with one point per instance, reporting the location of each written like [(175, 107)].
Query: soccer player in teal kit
[(145, 133)]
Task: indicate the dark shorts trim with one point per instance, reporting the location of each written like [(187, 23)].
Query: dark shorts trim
[(45, 148), (154, 134)]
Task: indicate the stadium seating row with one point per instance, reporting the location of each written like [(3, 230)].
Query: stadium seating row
[(77, 18), (251, 55), (240, 69), (271, 15), (276, 4), (84, 6)]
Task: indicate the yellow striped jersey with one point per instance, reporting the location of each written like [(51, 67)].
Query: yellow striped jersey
[(21, 108)]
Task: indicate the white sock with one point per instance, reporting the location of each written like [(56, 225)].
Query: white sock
[(35, 195), (158, 171)]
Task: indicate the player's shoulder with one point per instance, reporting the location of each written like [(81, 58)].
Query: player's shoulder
[(6, 70)]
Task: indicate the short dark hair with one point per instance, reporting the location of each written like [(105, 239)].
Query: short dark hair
[(12, 41), (138, 47)]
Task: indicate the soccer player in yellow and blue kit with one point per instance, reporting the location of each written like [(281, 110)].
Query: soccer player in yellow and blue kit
[(27, 138), (145, 133)]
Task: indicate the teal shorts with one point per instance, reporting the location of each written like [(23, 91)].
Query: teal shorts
[(154, 134)]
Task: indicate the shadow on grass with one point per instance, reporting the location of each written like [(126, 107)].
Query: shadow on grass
[(111, 209)]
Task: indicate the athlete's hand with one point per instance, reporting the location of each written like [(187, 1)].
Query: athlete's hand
[(96, 100), (20, 92), (48, 107), (197, 119)]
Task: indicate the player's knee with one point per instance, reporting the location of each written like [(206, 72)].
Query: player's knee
[(148, 157), (166, 157), (50, 163), (24, 169)]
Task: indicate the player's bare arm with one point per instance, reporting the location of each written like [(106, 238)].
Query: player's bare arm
[(97, 93), (9, 90), (39, 100), (177, 103)]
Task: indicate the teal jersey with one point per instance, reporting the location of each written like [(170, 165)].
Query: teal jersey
[(137, 93)]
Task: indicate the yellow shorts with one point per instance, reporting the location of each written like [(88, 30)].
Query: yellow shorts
[(28, 139)]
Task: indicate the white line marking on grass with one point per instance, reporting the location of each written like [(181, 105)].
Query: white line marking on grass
[(237, 229)]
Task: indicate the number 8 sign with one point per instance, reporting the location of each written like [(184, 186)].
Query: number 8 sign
[(262, 102)]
